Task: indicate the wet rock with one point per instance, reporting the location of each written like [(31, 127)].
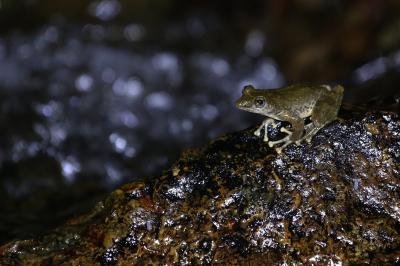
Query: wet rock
[(334, 201)]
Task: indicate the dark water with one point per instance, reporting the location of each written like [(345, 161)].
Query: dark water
[(92, 99)]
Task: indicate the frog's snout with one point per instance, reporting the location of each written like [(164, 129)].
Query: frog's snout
[(242, 104), (237, 103)]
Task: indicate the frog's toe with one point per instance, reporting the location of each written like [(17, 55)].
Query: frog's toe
[(285, 130), (298, 142), (285, 140), (273, 143), (258, 131), (280, 149), (270, 144)]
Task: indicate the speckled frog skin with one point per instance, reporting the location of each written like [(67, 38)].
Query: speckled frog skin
[(293, 104)]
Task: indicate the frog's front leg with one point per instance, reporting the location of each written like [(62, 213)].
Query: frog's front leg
[(265, 124), (293, 136), (285, 139)]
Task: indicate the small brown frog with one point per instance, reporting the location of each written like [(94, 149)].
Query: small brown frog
[(293, 104)]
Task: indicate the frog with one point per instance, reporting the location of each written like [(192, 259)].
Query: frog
[(319, 104)]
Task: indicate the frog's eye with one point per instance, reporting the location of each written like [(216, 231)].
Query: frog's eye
[(259, 102)]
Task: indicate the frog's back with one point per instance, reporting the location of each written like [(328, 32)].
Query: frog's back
[(298, 99), (299, 90)]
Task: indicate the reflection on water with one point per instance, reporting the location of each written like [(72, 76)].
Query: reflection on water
[(121, 100), (107, 113), (105, 9)]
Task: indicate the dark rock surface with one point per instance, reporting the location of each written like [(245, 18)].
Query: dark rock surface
[(331, 202)]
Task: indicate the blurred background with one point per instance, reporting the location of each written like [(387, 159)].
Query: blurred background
[(94, 94)]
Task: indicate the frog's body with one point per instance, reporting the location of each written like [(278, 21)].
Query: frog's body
[(293, 104)]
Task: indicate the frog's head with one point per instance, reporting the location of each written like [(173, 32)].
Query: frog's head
[(252, 100)]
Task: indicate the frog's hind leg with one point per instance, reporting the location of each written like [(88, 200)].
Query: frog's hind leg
[(324, 112), (312, 128), (309, 134)]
